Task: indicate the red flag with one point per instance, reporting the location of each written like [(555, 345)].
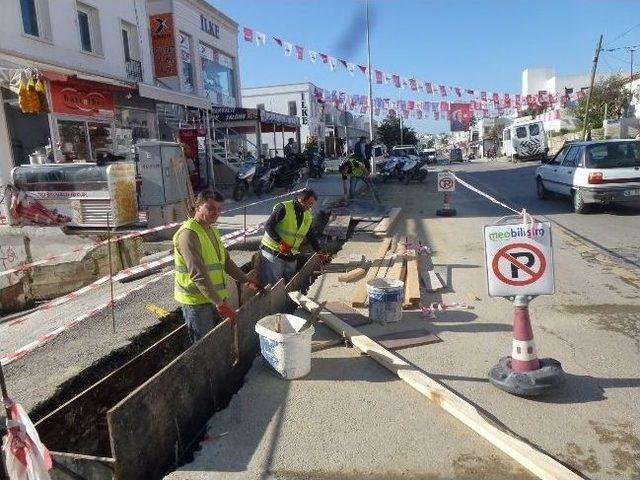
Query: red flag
[(324, 57), (391, 113), (411, 104), (485, 113), (458, 91), (444, 106), (507, 100), (248, 34), (427, 87), (396, 80), (299, 52), (343, 62), (413, 84), (517, 99), (483, 96), (379, 76), (362, 68), (443, 91), (496, 98), (278, 41)]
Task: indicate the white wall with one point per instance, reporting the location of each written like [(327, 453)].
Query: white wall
[(537, 79), (63, 49)]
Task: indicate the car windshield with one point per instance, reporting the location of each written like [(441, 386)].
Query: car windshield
[(613, 155)]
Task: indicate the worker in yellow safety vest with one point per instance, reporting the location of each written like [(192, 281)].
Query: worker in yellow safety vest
[(200, 262), (287, 228)]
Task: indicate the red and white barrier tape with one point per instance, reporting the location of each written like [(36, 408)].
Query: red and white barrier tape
[(42, 339), (88, 248)]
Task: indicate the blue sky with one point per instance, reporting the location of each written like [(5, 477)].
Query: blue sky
[(483, 45)]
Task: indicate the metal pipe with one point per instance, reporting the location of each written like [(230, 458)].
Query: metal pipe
[(373, 170)]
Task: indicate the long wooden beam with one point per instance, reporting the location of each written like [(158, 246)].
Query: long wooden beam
[(534, 460)]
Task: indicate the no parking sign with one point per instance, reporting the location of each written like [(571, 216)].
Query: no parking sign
[(446, 182), (519, 259)]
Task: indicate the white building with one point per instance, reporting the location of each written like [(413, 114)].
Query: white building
[(545, 80), (295, 99)]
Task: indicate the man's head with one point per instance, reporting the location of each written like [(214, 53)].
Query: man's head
[(290, 141), (307, 198), (208, 206)]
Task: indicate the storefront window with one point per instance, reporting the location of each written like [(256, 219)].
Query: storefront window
[(217, 76), (185, 62), (100, 138), (74, 143), (133, 126)]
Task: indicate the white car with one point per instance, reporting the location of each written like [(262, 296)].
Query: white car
[(604, 171)]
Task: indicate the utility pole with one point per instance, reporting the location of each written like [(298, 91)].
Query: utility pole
[(593, 77), (370, 84), (631, 50), (400, 118)]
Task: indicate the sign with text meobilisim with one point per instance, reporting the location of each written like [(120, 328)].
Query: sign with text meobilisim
[(519, 259)]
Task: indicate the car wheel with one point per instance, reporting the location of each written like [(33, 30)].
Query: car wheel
[(543, 193), (579, 205)]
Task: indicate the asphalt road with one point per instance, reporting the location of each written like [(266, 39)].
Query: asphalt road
[(614, 229)]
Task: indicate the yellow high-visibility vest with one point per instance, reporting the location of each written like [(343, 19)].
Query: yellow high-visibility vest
[(288, 229), (185, 290)]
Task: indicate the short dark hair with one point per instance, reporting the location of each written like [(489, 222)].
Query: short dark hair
[(307, 193), (206, 195)]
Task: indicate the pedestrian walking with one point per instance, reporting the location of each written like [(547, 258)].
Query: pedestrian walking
[(287, 228), (200, 262)]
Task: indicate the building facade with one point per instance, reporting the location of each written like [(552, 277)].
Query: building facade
[(545, 80)]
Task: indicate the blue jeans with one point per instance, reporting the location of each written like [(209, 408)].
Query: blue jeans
[(353, 185), (200, 319), (273, 268)]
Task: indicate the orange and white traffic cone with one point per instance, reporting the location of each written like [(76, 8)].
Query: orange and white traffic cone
[(446, 210), (523, 373)]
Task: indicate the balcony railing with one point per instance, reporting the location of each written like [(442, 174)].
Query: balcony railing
[(134, 70)]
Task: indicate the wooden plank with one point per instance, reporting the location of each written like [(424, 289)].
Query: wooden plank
[(442, 272), (72, 466), (480, 421), (412, 285), (359, 295), (385, 227), (347, 314), (337, 226), (352, 275), (407, 339)]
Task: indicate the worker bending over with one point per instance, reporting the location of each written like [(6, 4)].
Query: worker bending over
[(285, 231), (201, 261)]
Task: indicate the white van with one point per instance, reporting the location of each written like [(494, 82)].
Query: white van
[(525, 141)]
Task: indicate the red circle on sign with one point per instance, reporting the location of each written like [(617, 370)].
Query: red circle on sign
[(502, 253), (446, 183)]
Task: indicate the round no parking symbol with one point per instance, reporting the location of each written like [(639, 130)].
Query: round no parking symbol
[(446, 182), (519, 259)]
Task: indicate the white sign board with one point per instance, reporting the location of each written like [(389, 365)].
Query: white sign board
[(446, 182), (519, 259)]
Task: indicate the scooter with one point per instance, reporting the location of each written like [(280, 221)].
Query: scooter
[(413, 169), (286, 171), (264, 178), (244, 177)]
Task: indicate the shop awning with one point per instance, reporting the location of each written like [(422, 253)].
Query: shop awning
[(166, 95), (244, 120)]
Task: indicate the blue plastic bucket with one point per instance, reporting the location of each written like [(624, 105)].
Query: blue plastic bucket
[(385, 300)]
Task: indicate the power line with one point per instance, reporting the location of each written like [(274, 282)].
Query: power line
[(616, 58), (625, 32)]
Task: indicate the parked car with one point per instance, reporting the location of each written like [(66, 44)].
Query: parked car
[(430, 155), (525, 141), (405, 150), (455, 155), (596, 172)]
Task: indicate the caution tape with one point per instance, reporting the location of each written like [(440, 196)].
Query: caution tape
[(140, 233), (42, 339)]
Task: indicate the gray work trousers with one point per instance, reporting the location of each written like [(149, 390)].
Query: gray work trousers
[(273, 268)]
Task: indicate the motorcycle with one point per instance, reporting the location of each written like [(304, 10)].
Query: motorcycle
[(391, 168), (244, 177), (315, 165), (264, 179), (287, 172), (413, 169)]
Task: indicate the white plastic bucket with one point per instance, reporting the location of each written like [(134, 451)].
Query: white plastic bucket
[(385, 300), (288, 352)]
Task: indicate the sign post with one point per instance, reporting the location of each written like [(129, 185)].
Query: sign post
[(446, 184), (519, 266)]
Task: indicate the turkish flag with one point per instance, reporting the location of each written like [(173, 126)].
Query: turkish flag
[(413, 84), (248, 34), (496, 98), (411, 105), (396, 80), (427, 87), (444, 106), (362, 68), (379, 76), (299, 52), (324, 57)]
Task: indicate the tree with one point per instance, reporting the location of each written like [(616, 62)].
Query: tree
[(532, 111), (609, 91), (495, 131), (389, 133)]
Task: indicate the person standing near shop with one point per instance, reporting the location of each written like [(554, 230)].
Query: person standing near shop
[(200, 262), (287, 228)]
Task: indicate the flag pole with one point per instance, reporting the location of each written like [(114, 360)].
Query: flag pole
[(371, 138)]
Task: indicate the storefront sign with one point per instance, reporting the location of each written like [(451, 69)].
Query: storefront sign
[(303, 109), (228, 114), (279, 118), (209, 27), (81, 99), (163, 44)]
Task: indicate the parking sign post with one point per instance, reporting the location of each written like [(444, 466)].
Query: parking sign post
[(519, 266), (446, 184)]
